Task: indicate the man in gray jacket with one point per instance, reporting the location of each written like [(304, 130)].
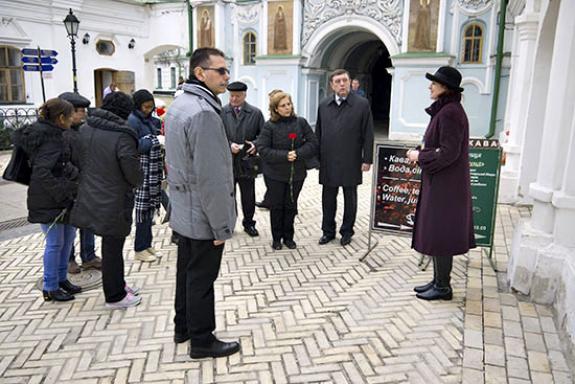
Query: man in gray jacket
[(201, 184)]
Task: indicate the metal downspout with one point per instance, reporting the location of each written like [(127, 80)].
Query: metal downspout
[(498, 64)]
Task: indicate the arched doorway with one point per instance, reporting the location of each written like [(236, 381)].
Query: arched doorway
[(363, 47)]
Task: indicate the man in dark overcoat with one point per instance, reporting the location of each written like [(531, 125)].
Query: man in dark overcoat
[(243, 123), (344, 130)]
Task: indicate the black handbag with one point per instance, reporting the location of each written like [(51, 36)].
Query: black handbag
[(18, 169), (250, 166)]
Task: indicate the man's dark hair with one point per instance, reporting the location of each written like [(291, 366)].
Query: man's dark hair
[(338, 72), (201, 58)]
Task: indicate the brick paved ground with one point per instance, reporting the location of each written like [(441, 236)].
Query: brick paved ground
[(313, 315)]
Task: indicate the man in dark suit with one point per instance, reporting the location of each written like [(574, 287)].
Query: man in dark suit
[(243, 123), (344, 130)]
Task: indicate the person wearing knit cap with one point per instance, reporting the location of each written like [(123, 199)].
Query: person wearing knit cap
[(87, 238), (148, 196), (110, 170)]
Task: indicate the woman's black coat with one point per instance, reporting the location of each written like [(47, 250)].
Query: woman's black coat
[(110, 170), (274, 144), (54, 179)]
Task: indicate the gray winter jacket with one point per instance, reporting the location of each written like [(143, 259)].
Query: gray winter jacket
[(199, 166)]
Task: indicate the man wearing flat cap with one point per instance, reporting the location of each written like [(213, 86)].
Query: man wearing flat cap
[(243, 123), (87, 238)]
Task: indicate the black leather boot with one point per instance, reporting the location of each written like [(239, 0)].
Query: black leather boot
[(436, 293), (70, 288), (57, 295), (425, 287), (441, 290)]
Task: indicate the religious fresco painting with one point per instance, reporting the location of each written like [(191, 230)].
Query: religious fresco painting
[(280, 27), (205, 17), (423, 21)]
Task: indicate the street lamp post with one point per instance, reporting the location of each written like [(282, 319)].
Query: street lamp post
[(71, 23)]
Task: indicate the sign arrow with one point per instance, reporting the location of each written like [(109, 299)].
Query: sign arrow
[(36, 68), (34, 52), (34, 60)]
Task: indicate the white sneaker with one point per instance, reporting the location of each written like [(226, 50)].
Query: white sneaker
[(133, 290), (144, 256), (153, 251), (128, 301)]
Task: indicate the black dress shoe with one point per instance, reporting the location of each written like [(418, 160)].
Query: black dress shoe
[(345, 240), (424, 287), (436, 293), (277, 245), (57, 295), (70, 288), (217, 348), (262, 204), (290, 244), (252, 231), (181, 337), (325, 239)]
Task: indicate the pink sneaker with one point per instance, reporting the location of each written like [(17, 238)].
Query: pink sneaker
[(133, 290), (128, 301)]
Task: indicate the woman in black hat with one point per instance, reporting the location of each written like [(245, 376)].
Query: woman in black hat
[(148, 196), (443, 218)]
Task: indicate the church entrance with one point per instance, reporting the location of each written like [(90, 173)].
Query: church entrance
[(367, 59)]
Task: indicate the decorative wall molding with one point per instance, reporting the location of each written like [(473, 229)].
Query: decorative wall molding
[(247, 14), (474, 7), (386, 12)]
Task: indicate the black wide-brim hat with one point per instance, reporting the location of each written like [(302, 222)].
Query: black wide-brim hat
[(448, 76)]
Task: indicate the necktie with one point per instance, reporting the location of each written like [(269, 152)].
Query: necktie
[(237, 110)]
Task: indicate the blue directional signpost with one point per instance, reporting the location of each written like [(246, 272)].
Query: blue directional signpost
[(39, 60)]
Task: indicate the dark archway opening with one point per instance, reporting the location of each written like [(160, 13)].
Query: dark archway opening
[(369, 62)]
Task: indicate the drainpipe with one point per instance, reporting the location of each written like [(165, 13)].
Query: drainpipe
[(498, 64), (190, 26)]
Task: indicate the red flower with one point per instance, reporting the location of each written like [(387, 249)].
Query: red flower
[(292, 136)]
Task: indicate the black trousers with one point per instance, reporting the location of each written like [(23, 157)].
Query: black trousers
[(248, 199), (442, 266), (329, 207), (282, 209), (113, 268), (197, 269)]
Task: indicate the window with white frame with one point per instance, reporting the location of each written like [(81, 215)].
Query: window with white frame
[(472, 45), (12, 88), (249, 48)]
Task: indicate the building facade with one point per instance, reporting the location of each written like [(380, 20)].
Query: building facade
[(388, 45)]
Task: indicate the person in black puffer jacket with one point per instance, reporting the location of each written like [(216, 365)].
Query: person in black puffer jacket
[(52, 189), (110, 170), (286, 142)]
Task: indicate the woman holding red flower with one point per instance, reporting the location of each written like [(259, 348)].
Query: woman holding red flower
[(284, 144)]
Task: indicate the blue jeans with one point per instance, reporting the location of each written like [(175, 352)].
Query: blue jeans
[(59, 241), (87, 246), (143, 238)]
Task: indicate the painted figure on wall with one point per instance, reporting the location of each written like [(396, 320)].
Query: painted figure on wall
[(423, 22), (280, 27), (422, 39), (206, 29), (280, 30)]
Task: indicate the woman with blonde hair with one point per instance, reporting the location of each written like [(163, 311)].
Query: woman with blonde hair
[(284, 144)]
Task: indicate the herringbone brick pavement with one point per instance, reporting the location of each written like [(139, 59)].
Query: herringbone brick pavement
[(311, 315)]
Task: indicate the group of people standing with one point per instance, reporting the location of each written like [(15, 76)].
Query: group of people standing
[(97, 177), (89, 173)]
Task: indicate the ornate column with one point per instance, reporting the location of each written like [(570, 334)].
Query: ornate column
[(542, 261), (526, 26)]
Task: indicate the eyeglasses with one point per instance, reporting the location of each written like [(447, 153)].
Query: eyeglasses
[(222, 70)]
